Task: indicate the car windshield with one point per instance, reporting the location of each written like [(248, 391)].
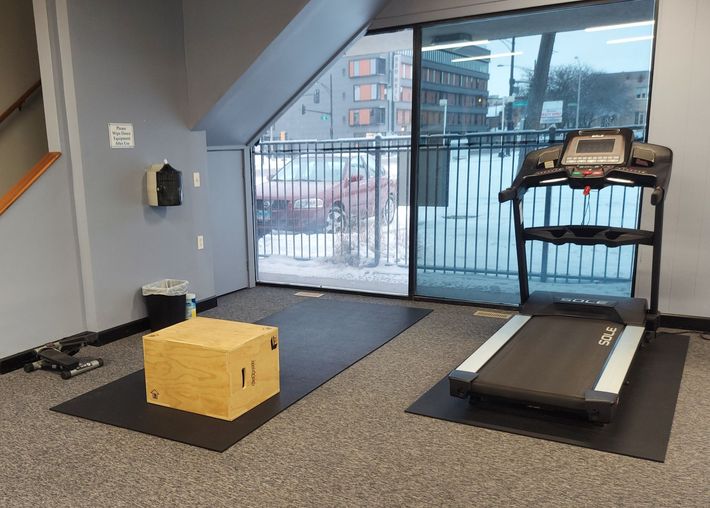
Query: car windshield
[(321, 168)]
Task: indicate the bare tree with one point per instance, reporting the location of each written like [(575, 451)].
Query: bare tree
[(603, 98)]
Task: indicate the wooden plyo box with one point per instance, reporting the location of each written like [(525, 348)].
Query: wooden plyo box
[(212, 367)]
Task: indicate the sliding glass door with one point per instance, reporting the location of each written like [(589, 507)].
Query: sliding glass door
[(331, 175)]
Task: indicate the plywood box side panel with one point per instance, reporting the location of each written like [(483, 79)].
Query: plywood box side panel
[(187, 377), (255, 368)]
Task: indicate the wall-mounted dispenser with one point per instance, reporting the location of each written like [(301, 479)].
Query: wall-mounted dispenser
[(164, 184)]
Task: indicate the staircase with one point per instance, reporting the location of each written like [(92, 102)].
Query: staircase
[(23, 136)]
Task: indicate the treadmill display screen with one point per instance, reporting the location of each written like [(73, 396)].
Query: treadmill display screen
[(595, 145)]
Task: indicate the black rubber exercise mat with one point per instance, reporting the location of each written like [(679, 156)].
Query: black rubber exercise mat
[(318, 339), (641, 427)]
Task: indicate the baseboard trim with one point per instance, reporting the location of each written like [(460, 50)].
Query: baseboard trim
[(692, 323), (141, 325), (18, 360), (207, 304), (122, 331)]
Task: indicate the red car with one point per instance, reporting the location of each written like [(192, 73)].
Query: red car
[(323, 192)]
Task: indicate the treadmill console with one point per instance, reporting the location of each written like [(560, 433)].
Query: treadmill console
[(600, 149), (594, 159)]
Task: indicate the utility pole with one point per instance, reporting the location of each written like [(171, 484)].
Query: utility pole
[(331, 104), (316, 99), (511, 87), (445, 104), (579, 90)]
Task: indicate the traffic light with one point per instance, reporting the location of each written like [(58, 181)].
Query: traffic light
[(303, 109), (316, 96)]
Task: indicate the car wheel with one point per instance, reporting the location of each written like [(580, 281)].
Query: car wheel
[(390, 209), (336, 221)]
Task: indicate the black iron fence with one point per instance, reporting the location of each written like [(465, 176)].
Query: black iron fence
[(347, 200)]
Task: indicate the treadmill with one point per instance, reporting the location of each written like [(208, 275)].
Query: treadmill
[(572, 352)]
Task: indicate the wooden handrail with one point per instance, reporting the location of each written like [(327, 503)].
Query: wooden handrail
[(33, 174), (19, 102)]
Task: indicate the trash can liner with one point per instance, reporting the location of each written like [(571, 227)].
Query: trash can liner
[(166, 287), (165, 301)]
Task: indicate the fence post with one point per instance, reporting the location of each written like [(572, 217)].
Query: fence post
[(546, 218), (378, 207)]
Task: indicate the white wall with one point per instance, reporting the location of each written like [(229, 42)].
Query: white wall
[(680, 118), (229, 190), (127, 64), (41, 297)]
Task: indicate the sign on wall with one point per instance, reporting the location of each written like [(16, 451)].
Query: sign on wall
[(120, 135)]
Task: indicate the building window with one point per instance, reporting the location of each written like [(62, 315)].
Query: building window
[(369, 92), (404, 118), (406, 94), (640, 117), (641, 92), (406, 71), (367, 116), (366, 67)]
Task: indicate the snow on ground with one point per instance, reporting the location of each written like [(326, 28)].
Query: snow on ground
[(473, 232)]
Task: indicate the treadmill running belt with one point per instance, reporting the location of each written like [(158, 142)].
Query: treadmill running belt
[(550, 355)]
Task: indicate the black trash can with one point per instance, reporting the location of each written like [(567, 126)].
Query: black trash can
[(165, 302)]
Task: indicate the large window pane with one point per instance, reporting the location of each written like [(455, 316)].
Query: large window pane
[(332, 175), (495, 88)]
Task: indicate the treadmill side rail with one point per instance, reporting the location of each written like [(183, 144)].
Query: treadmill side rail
[(601, 406), (468, 370), (619, 360), (460, 383)]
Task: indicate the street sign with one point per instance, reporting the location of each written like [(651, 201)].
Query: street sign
[(324, 117), (551, 112)]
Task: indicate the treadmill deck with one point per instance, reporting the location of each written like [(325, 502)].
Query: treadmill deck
[(551, 360)]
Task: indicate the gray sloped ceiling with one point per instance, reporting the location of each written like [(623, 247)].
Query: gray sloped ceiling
[(238, 80)]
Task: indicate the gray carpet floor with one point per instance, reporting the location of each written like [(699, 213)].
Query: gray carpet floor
[(349, 443)]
